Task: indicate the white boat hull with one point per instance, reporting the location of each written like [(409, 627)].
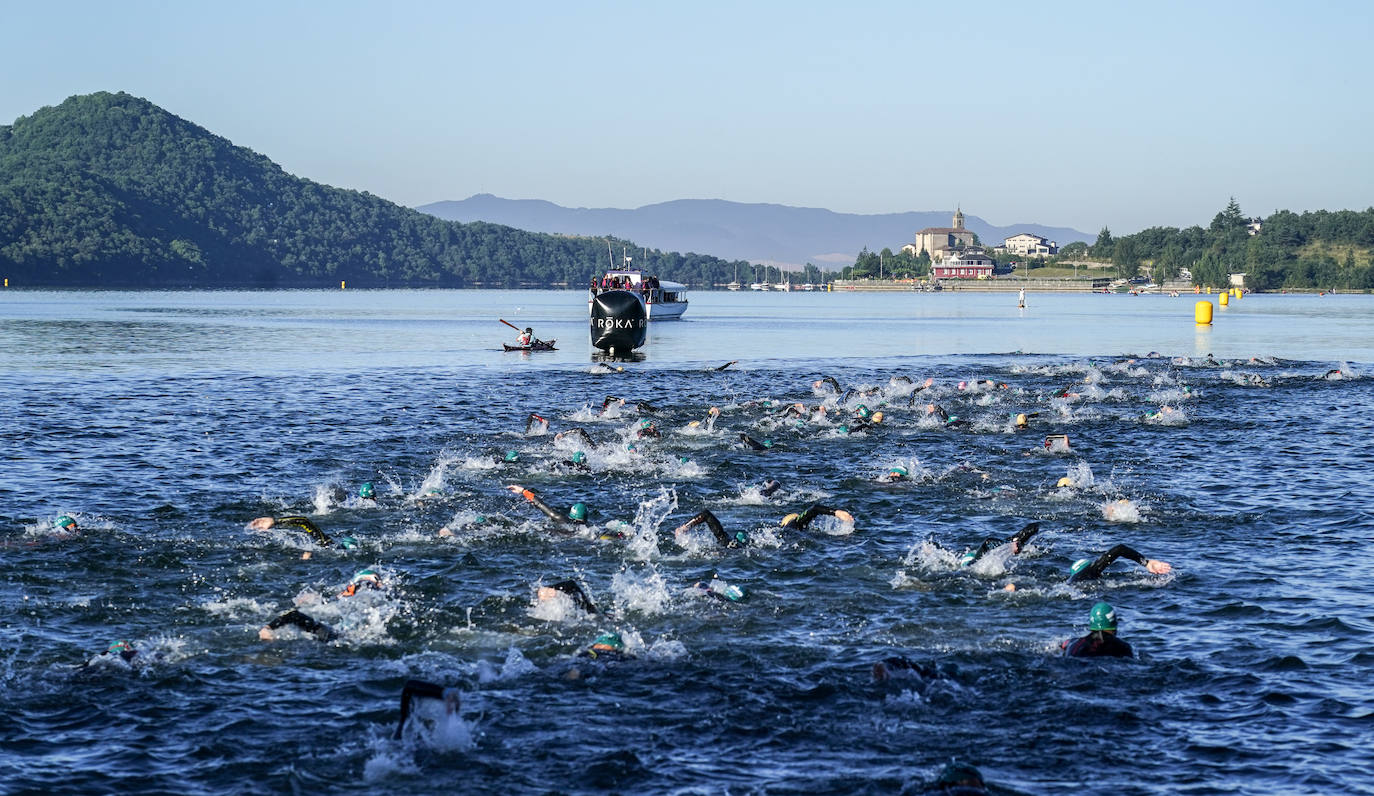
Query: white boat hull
[(666, 311)]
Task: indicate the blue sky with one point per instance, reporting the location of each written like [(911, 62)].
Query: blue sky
[(1076, 114)]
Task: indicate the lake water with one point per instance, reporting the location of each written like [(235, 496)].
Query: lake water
[(164, 422)]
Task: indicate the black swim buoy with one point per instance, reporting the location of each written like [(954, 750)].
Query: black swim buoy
[(620, 322)]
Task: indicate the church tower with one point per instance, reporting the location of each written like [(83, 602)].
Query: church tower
[(958, 218)]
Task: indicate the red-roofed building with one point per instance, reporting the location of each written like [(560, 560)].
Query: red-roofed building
[(971, 263)]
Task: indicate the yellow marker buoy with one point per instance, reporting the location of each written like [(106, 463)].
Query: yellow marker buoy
[(1202, 313), (342, 284), (1235, 291), (1223, 299)]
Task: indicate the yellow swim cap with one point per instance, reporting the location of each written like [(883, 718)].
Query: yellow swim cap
[(1065, 481), (789, 519)]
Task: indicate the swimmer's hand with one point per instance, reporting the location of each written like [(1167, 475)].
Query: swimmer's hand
[(262, 524), (266, 634), (1158, 567)]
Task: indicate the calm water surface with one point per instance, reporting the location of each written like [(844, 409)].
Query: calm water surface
[(164, 422)]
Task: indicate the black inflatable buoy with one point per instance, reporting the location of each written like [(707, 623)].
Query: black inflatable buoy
[(620, 321)]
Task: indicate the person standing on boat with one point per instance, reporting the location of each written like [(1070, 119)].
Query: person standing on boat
[(1021, 299)]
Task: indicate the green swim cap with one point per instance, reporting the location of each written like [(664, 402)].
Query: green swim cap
[(348, 542), (862, 410), (120, 646), (645, 423), (512, 456), (1103, 617), (579, 457), (578, 512), (433, 491), (968, 558), (844, 429), (897, 470), (366, 490), (63, 522), (364, 575), (611, 640), (1079, 565)]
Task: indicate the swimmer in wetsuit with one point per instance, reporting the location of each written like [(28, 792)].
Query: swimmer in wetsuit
[(1101, 641), (739, 539), (123, 650), (581, 434), (572, 590), (894, 473), (755, 444), (1088, 569), (949, 421), (1017, 542), (719, 590), (576, 518), (900, 667), (607, 647), (293, 522), (800, 521), (295, 618), (367, 492), (419, 689), (769, 488), (365, 579), (578, 461), (958, 779)]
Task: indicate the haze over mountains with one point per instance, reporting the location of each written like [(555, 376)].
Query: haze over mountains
[(763, 233)]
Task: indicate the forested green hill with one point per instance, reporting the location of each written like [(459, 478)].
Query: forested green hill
[(109, 190), (1317, 249)]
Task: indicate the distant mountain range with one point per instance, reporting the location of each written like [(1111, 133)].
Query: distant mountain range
[(760, 233)]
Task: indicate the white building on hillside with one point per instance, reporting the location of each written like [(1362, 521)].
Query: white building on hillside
[(940, 242), (1030, 245)]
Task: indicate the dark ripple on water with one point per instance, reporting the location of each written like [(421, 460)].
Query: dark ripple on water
[(1253, 666)]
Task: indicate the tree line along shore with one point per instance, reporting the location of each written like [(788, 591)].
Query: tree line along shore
[(107, 190)]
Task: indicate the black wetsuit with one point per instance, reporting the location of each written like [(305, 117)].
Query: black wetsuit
[(834, 385), (804, 519), (303, 524), (575, 432), (535, 421), (751, 442), (903, 667), (769, 488), (1098, 644), (417, 689), (573, 590), (1094, 570), (560, 522), (320, 630), (1017, 541), (717, 530)]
